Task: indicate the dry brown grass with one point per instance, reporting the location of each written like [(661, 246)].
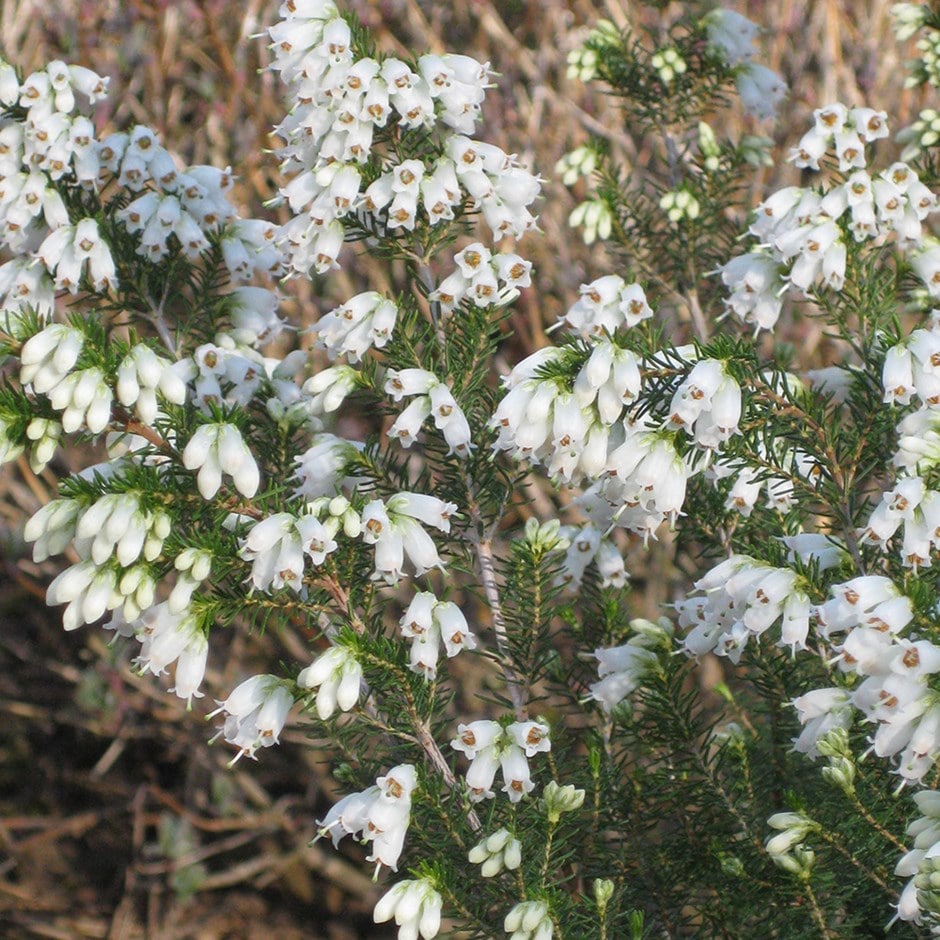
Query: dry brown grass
[(93, 758)]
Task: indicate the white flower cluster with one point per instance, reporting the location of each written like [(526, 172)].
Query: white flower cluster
[(490, 747), (922, 863), (49, 143), (394, 527), (587, 544), (485, 279), (577, 423), (54, 140), (364, 321), (895, 671), (415, 905), (732, 36), (47, 367), (380, 815), (912, 367), (216, 448), (232, 373), (167, 637), (743, 598), (276, 546), (141, 375), (707, 404), (621, 669), (570, 427), (800, 230), (606, 305), (321, 468), (529, 920), (427, 623), (341, 104), (911, 505), (337, 677), (430, 397), (189, 205), (911, 374), (496, 853), (255, 713), (115, 528)]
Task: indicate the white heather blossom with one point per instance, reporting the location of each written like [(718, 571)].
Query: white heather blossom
[(621, 669), (394, 528), (255, 711), (380, 815), (48, 356), (707, 404), (193, 566), (365, 321), (216, 449), (431, 398), (529, 920), (756, 289), (276, 547), (920, 864), (328, 389), (801, 232), (587, 544), (52, 527), (918, 441), (337, 677), (140, 376), (429, 622), (167, 637), (761, 89), (483, 278), (913, 368), (117, 525), (607, 304), (820, 711), (66, 250), (90, 591), (321, 468), (490, 747), (731, 34), (743, 598), (416, 907), (84, 398)]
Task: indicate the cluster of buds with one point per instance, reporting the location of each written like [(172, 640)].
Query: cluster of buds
[(337, 677), (415, 905), (922, 863), (787, 849), (219, 448), (496, 853)]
